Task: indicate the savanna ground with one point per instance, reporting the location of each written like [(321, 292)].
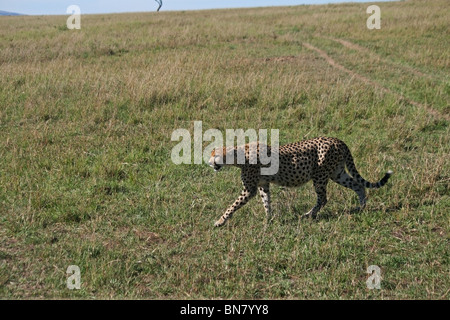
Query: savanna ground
[(86, 178)]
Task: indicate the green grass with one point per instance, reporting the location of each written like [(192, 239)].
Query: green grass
[(86, 118)]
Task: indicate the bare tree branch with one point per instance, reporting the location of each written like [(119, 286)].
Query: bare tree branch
[(160, 4)]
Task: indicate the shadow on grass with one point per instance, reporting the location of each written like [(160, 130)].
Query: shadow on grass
[(292, 217)]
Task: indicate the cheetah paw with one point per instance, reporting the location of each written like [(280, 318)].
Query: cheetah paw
[(308, 215), (219, 223)]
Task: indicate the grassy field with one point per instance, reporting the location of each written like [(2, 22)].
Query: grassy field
[(86, 178)]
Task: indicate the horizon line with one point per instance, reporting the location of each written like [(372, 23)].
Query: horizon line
[(18, 14)]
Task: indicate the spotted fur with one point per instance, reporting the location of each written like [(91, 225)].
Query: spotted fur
[(319, 160)]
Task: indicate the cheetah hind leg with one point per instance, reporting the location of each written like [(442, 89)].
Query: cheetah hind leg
[(345, 180), (321, 190)]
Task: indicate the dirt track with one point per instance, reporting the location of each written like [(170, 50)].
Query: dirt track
[(366, 80)]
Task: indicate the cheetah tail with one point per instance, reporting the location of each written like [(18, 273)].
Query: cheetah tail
[(380, 183), (370, 185)]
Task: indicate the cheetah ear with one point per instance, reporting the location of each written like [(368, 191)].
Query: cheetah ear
[(219, 152)]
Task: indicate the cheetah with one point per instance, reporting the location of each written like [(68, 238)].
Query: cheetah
[(318, 159)]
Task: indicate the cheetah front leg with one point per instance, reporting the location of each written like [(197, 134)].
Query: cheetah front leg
[(264, 192), (247, 193)]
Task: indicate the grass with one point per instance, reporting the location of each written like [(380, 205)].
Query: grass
[(86, 118)]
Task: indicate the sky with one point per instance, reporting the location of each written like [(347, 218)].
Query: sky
[(42, 7)]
